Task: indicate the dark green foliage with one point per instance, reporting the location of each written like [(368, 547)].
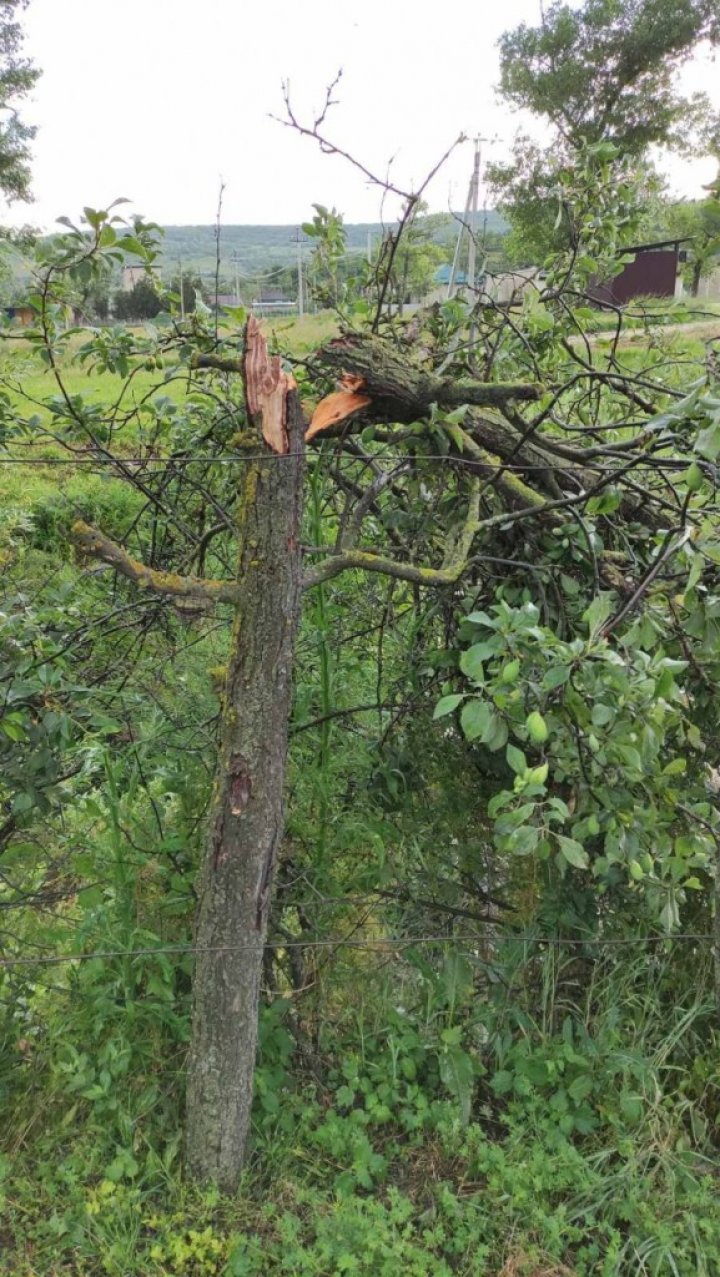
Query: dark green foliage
[(139, 302), (603, 72), (17, 78), (606, 71)]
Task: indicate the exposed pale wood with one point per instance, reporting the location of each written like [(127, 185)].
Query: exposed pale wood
[(334, 409), (266, 388)]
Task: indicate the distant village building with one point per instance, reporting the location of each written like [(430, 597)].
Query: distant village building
[(132, 275), (505, 288), (24, 316), (653, 272), (20, 316), (271, 301), (223, 301), (508, 287)]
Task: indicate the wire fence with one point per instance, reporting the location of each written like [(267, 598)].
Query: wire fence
[(380, 944), (158, 465)]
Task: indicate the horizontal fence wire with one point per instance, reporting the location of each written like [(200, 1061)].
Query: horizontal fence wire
[(159, 465), (381, 945)]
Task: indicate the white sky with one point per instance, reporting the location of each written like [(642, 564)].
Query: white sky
[(156, 99)]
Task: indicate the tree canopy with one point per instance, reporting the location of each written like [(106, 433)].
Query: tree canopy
[(17, 77), (606, 71)]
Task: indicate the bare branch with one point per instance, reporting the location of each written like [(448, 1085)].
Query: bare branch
[(456, 557), (91, 541)]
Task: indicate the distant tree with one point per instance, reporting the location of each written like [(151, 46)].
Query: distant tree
[(327, 229), (700, 222), (192, 289), (140, 302), (606, 71), (417, 259), (96, 300), (17, 78), (603, 72)]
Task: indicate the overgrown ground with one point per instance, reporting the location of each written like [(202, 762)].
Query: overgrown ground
[(583, 1138)]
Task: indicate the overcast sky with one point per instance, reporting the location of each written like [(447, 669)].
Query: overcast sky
[(157, 99)]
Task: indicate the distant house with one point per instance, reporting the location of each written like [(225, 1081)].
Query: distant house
[(506, 288), (653, 272), (222, 301), (22, 316), (441, 283), (132, 275), (271, 301)]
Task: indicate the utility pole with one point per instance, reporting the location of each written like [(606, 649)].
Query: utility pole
[(369, 247), (236, 264), (458, 243), (472, 266), (298, 239), (473, 201), (468, 226), (182, 290)]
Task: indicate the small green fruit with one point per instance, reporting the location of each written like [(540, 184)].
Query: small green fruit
[(636, 870), (693, 477), (510, 672), (536, 727)]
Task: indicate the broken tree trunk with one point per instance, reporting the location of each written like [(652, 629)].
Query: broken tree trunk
[(401, 391), (247, 823), (381, 384)]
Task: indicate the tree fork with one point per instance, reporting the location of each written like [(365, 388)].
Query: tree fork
[(248, 816)]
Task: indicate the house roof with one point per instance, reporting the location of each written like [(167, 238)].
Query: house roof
[(442, 275), (657, 244)]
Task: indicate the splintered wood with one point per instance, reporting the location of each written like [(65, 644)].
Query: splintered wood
[(266, 388), (339, 406)]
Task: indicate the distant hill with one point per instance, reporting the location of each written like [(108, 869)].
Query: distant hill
[(255, 248)]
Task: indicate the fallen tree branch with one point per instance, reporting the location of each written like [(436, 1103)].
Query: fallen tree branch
[(391, 379)]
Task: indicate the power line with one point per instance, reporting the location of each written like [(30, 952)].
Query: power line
[(381, 944)]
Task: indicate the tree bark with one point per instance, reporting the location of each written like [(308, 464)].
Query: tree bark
[(247, 823)]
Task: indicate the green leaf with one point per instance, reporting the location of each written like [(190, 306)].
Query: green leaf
[(573, 852), (555, 676), (471, 661), (481, 618), (598, 612), (476, 719), (580, 1088), (708, 440), (458, 1075), (497, 734), (601, 714), (516, 759), (447, 704), (502, 1082), (524, 841)]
